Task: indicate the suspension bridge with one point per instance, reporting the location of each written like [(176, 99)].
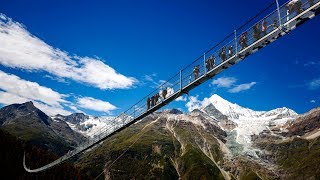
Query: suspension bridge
[(262, 29)]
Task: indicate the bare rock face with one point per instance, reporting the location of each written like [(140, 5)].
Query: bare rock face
[(28, 123), (304, 124), (294, 149), (202, 144), (165, 145)]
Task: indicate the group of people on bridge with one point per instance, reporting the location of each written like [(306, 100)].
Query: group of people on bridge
[(153, 100), (259, 30)]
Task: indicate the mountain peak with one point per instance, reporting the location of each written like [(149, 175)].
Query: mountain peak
[(173, 111), (27, 109), (217, 97), (28, 103), (234, 111)]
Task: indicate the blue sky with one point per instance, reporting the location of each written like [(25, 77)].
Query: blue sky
[(100, 57)]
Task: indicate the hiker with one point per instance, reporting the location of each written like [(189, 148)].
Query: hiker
[(196, 71), (207, 65), (211, 62), (230, 51), (164, 93), (264, 28), (152, 101), (243, 40), (294, 6), (148, 103), (156, 98), (275, 24), (311, 2), (256, 32), (222, 54)]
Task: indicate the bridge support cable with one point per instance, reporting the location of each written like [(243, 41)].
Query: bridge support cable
[(279, 22)]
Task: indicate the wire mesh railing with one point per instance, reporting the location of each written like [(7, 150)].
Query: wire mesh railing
[(266, 21), (244, 39)]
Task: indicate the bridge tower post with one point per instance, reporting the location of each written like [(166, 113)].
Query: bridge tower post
[(180, 80), (279, 15), (204, 63), (235, 42)]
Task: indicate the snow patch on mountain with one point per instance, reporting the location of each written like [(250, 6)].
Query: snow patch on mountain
[(249, 122), (90, 126)]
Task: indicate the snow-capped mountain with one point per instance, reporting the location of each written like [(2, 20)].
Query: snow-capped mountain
[(234, 111), (248, 122), (92, 126)]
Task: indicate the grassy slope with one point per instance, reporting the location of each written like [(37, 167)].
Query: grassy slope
[(299, 158), (151, 156), (11, 155)]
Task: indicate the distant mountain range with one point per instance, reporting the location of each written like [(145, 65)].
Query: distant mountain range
[(28, 123), (220, 139)]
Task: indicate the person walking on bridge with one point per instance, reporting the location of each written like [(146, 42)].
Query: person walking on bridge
[(148, 103), (223, 54), (243, 41), (196, 71), (230, 51), (164, 93), (264, 28), (294, 6), (256, 32)]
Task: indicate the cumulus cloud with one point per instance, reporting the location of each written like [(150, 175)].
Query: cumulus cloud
[(13, 89), (224, 82), (75, 109), (242, 87), (182, 98), (51, 110), (193, 103), (20, 49), (16, 90), (95, 104), (8, 98), (29, 90), (230, 83)]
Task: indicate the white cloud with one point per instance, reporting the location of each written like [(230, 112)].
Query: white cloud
[(314, 84), (16, 90), (20, 49), (95, 104), (150, 77), (193, 103), (75, 109), (51, 110), (224, 82), (182, 98), (242, 87), (8, 98), (313, 101), (29, 90)]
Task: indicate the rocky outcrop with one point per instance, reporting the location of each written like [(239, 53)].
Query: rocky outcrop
[(304, 124), (28, 123), (165, 145)]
